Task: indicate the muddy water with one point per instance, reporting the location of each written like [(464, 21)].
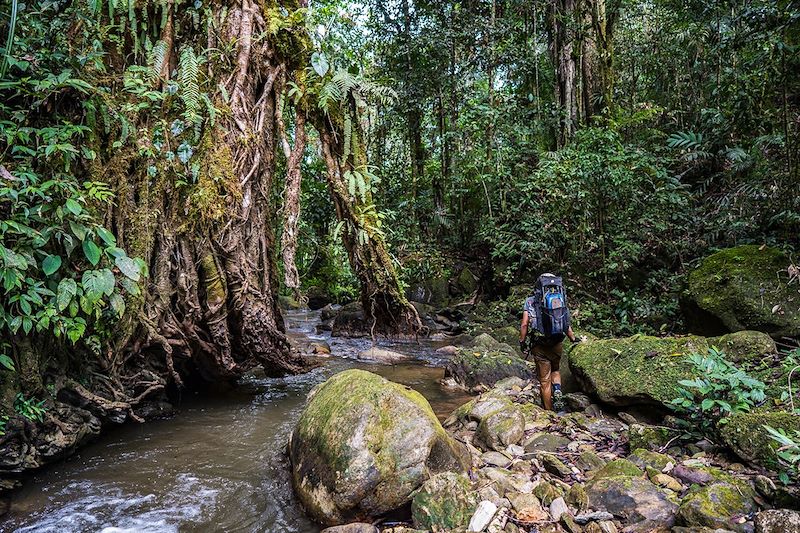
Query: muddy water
[(218, 465)]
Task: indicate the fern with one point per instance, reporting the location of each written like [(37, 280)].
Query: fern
[(156, 58), (188, 70)]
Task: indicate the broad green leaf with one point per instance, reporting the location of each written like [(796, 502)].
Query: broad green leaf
[(78, 229), (107, 236), (107, 281), (319, 63), (7, 362), (130, 286), (117, 304), (128, 267), (91, 251), (67, 289), (73, 206), (93, 286), (50, 264)]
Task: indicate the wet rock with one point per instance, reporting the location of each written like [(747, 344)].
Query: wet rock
[(765, 486), (585, 518), (632, 497), (482, 517), (744, 434), (363, 445), (778, 521), (618, 467), (486, 363), (605, 526), (379, 355), (742, 288), (317, 298), (719, 505), (352, 528), (500, 429), (444, 502), (545, 442), (349, 321)]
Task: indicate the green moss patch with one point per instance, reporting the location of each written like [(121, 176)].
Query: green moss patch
[(744, 433)]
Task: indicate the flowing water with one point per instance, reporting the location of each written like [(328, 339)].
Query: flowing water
[(218, 465)]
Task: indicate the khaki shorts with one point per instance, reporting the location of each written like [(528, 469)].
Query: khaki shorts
[(548, 360)]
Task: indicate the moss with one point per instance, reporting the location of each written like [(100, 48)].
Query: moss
[(482, 366), (744, 346), (642, 458), (716, 504), (547, 492), (618, 467), (634, 369), (744, 433), (444, 502), (739, 287), (649, 437)]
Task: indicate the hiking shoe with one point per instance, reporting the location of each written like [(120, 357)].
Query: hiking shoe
[(558, 401)]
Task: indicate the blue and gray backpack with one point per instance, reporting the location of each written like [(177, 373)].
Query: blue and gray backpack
[(547, 308)]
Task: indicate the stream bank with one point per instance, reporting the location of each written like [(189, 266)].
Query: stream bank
[(218, 464)]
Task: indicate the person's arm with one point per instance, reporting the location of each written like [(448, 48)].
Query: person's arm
[(571, 335), (523, 330)]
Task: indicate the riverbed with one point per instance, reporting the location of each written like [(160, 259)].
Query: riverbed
[(218, 464)]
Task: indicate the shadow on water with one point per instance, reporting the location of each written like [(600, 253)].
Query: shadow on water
[(218, 465)]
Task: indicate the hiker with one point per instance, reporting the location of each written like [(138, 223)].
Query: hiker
[(545, 323)]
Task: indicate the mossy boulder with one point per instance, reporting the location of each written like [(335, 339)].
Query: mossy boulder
[(485, 363), (349, 321), (744, 346), (740, 288), (717, 505), (644, 458), (363, 445), (744, 433), (445, 501), (634, 370)]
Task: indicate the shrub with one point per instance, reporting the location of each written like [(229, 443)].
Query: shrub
[(720, 390)]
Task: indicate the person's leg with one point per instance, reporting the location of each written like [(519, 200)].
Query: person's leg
[(554, 355), (544, 371)]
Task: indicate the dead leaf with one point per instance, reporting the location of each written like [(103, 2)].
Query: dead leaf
[(776, 308)]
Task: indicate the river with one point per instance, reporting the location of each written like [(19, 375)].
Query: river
[(217, 465)]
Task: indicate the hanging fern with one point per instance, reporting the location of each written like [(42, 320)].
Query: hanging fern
[(156, 58), (188, 70)]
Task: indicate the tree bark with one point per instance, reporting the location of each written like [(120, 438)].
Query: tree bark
[(386, 309), (291, 213), (562, 41)]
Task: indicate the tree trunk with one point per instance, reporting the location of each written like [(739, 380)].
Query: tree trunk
[(291, 213), (562, 41), (211, 310), (386, 310)]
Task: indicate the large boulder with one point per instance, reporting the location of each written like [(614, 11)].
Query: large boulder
[(363, 445), (634, 370), (718, 505), (643, 369), (744, 433), (745, 287), (485, 363)]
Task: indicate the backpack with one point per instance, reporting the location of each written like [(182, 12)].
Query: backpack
[(547, 308)]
